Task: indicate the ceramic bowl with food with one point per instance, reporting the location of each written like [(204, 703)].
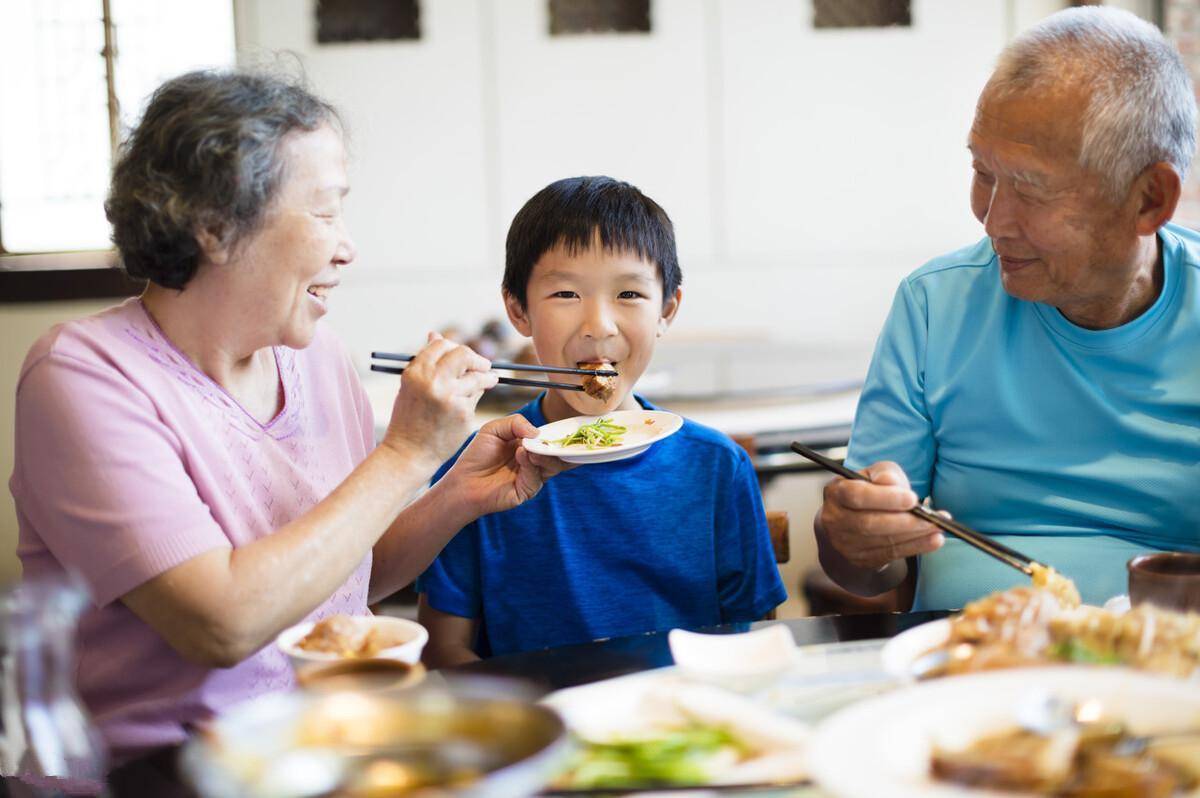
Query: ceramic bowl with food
[(1169, 579), (343, 637)]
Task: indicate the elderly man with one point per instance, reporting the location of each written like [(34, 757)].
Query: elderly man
[(1043, 384)]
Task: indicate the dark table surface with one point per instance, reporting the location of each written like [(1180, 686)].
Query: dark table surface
[(548, 670)]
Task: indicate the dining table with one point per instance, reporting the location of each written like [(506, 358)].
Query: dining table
[(843, 648)]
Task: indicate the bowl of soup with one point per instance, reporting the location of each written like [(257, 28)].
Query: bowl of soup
[(353, 637)]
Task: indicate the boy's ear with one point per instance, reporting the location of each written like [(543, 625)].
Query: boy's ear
[(670, 308), (517, 314)]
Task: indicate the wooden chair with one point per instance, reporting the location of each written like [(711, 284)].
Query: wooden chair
[(779, 526)]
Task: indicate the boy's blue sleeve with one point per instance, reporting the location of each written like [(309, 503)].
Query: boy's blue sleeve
[(748, 583), (892, 422), (451, 582)]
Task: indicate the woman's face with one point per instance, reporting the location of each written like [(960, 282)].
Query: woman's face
[(284, 273)]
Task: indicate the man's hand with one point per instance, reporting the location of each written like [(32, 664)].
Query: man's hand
[(868, 523), (495, 472)]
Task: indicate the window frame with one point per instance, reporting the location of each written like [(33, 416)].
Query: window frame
[(76, 274)]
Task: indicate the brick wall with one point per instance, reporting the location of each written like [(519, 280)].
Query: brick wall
[(1181, 21)]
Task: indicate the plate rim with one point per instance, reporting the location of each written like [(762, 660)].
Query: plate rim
[(609, 454)]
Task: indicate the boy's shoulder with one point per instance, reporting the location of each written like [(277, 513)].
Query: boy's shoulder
[(695, 435)]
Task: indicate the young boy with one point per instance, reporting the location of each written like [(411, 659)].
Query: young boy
[(674, 537)]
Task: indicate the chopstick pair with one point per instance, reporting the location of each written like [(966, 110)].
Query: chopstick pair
[(720, 789), (1008, 556), (566, 386)]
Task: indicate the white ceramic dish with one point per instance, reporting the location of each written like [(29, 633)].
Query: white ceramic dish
[(882, 746), (646, 427), (642, 705), (742, 662), (415, 637), (899, 653)]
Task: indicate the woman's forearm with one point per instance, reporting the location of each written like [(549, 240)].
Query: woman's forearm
[(224, 605), (416, 537)]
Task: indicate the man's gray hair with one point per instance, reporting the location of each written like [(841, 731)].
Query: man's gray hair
[(1141, 106)]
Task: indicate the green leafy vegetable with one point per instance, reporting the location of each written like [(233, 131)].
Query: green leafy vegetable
[(600, 434), (674, 758), (1073, 650)]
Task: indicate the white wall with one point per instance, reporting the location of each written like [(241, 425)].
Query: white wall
[(806, 171)]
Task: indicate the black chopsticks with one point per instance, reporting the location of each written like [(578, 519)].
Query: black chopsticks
[(564, 386), (719, 789), (994, 548)]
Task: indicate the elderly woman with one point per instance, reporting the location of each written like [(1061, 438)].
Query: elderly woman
[(1042, 384), (204, 455)]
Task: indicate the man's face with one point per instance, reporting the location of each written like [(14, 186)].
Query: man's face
[(594, 306), (1060, 239)]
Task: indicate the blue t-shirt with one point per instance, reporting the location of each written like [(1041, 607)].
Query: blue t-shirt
[(674, 537), (1077, 447)]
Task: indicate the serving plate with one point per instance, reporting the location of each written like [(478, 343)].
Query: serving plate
[(882, 746), (900, 653), (645, 428)]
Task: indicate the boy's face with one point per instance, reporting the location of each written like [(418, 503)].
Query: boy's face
[(594, 306)]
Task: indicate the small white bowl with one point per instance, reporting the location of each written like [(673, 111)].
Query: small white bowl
[(415, 637), (741, 662)]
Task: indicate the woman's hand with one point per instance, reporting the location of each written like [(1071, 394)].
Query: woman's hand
[(434, 409), (496, 473)]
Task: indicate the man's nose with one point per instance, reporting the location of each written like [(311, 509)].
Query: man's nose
[(1000, 219)]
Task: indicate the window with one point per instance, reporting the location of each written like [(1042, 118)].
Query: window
[(861, 13), (74, 75), (599, 16)]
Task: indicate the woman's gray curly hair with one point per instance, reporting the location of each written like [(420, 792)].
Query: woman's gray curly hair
[(205, 156), (1141, 107)]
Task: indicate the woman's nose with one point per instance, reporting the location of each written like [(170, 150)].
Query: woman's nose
[(346, 251)]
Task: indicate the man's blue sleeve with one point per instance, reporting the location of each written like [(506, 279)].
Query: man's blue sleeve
[(892, 422), (748, 583)]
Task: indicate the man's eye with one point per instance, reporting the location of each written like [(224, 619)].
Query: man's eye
[(983, 177)]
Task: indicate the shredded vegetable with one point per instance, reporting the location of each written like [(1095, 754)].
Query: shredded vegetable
[(682, 756), (600, 434)]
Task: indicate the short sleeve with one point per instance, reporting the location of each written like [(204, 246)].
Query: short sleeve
[(892, 422), (101, 479), (748, 583)]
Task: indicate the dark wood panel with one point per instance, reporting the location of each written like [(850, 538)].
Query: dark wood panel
[(51, 285)]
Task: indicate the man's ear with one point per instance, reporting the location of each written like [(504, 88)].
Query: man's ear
[(1157, 191), (670, 308), (212, 248), (517, 314)]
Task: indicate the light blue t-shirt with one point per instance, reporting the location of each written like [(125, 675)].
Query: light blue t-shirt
[(1080, 448), (674, 537)]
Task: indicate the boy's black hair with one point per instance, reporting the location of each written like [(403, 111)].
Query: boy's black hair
[(571, 212)]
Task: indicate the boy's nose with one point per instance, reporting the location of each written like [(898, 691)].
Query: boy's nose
[(599, 322)]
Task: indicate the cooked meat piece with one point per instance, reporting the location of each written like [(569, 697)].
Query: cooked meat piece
[(337, 634), (598, 387)]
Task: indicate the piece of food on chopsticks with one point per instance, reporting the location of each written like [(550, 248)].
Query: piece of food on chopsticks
[(1028, 625), (597, 386), (1088, 761), (1063, 588), (599, 434)]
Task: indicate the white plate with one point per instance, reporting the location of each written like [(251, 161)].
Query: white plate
[(742, 662), (882, 746), (899, 653), (644, 705), (641, 435)]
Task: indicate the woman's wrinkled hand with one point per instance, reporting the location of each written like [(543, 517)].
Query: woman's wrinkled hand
[(495, 472), (869, 523), (435, 406)]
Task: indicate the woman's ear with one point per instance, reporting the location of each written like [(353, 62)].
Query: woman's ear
[(517, 314), (213, 249), (670, 308)]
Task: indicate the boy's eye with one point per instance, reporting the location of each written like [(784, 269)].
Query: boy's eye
[(564, 295), (629, 295)]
